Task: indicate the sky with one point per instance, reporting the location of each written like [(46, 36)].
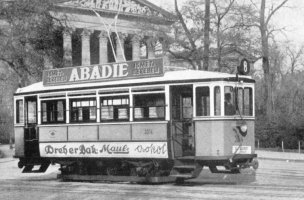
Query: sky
[(291, 18)]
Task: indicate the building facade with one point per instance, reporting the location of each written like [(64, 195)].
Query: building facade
[(103, 31)]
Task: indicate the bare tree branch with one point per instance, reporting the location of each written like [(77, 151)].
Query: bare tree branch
[(274, 11)]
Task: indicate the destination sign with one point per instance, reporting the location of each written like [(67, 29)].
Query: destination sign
[(104, 72), (105, 149)]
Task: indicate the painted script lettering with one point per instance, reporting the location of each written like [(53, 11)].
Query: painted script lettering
[(105, 149), (152, 149)]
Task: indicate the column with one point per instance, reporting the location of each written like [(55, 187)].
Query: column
[(151, 48), (67, 47), (165, 48), (103, 47), (120, 49), (85, 47), (136, 47)]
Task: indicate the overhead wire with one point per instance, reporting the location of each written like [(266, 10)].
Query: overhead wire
[(117, 35), (108, 33)]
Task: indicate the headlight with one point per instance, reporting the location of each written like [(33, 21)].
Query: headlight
[(244, 128)]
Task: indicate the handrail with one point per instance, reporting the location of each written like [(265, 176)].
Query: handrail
[(174, 123)]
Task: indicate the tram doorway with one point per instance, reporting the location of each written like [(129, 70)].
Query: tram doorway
[(182, 130), (31, 144)]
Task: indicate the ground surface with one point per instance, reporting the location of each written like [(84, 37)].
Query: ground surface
[(275, 179)]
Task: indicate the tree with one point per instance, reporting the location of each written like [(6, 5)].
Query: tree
[(196, 19), (193, 55), (295, 57), (206, 36), (28, 36), (220, 13), (266, 31)]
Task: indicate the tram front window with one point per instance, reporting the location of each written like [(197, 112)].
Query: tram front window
[(229, 101), (242, 105), (31, 110), (248, 102), (83, 110), (19, 112)]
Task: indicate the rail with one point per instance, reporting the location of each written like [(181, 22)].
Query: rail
[(178, 125)]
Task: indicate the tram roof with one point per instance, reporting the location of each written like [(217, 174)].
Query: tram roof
[(170, 77)]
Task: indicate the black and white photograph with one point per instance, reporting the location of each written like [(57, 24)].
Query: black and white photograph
[(151, 99)]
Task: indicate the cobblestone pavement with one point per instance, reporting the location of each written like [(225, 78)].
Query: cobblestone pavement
[(277, 178)]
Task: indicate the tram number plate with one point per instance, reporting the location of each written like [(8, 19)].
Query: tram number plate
[(241, 149)]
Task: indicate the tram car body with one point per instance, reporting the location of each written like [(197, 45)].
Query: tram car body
[(152, 124)]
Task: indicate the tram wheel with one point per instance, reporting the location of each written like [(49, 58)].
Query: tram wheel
[(179, 180), (111, 171)]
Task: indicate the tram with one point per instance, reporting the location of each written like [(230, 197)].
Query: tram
[(137, 121)]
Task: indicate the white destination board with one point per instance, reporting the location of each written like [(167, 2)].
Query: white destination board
[(105, 149), (241, 149)]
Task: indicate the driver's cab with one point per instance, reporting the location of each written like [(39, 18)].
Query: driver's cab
[(203, 116)]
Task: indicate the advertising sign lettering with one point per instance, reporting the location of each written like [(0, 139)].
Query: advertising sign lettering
[(106, 72), (105, 149)]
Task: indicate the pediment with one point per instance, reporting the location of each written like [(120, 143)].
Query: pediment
[(128, 7)]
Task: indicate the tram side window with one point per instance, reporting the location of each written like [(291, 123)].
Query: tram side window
[(53, 111), (248, 102), (149, 107), (217, 101), (83, 110), (114, 109), (202, 101), (19, 112)]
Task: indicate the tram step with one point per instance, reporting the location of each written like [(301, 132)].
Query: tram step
[(186, 171), (185, 167), (186, 176), (44, 167), (29, 168)]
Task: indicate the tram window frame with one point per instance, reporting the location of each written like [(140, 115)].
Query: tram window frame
[(146, 108), (19, 111), (76, 105), (114, 105), (52, 114), (202, 104)]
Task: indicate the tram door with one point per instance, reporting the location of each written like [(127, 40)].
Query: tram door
[(31, 145), (181, 120)]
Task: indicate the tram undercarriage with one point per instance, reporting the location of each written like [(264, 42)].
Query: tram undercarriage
[(141, 170)]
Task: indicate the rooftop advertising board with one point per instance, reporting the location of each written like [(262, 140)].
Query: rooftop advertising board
[(104, 72)]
